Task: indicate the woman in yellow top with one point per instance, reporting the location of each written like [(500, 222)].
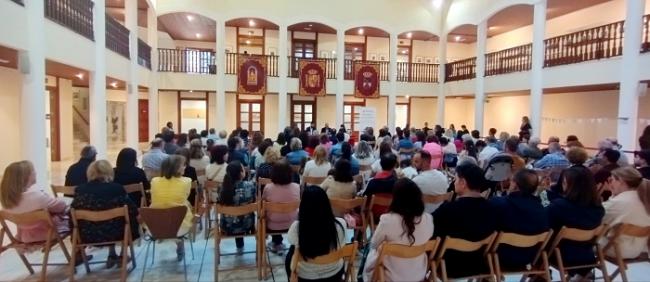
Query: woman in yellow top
[(171, 190)]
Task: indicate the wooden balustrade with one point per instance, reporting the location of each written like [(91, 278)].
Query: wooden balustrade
[(417, 72), (330, 67), (187, 61), (76, 15), (460, 70), (348, 69), (591, 44), (272, 65), (231, 63), (510, 60), (117, 37), (144, 54), (645, 45)]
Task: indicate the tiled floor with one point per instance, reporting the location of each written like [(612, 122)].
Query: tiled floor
[(167, 268)]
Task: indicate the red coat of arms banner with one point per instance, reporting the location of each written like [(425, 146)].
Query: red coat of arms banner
[(251, 74), (366, 81), (312, 77)]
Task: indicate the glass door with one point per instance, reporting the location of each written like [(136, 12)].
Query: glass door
[(303, 113), (250, 116)]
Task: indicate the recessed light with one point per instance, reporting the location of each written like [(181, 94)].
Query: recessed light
[(355, 48), (307, 28), (191, 91), (114, 84), (409, 35), (403, 51), (80, 75), (458, 38), (310, 25), (248, 42), (251, 23), (492, 28), (360, 31), (190, 17), (198, 35), (333, 52), (408, 97)]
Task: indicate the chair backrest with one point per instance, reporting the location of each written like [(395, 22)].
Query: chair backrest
[(65, 190), (379, 200), (163, 223), (522, 241), (463, 245), (632, 230), (210, 187), (27, 218), (96, 216), (579, 235), (312, 180), (344, 205), (195, 185), (285, 207), (358, 178), (150, 173), (296, 168), (137, 187), (403, 151), (402, 251), (348, 252), (261, 182), (436, 199), (237, 210), (365, 168), (499, 168)]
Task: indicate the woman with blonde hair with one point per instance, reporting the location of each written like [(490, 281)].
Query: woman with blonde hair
[(630, 203), (18, 195), (318, 166), (171, 189), (198, 159), (271, 156), (101, 193)]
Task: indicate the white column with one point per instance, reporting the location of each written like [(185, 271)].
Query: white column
[(32, 100), (283, 68), (536, 79), (628, 99), (152, 36), (340, 76), (221, 75), (97, 97), (131, 19), (392, 81), (479, 96), (442, 58)]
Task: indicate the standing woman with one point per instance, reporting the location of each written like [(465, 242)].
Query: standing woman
[(316, 233), (237, 192), (127, 172), (171, 189), (525, 128)]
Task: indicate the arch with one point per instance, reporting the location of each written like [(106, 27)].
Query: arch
[(311, 26), (510, 18), (465, 33), (313, 19), (463, 12), (367, 31), (422, 35), (257, 23), (189, 26), (368, 24)]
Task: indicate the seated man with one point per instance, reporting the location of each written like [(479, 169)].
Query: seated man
[(76, 174), (470, 217), (520, 212), (430, 181), (530, 150), (382, 183), (555, 158), (152, 160), (485, 151), (335, 151)]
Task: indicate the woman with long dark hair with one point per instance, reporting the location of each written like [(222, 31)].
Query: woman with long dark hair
[(316, 233), (127, 172), (237, 192), (346, 154), (405, 223)]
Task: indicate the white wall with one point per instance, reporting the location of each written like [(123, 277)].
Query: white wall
[(11, 81)]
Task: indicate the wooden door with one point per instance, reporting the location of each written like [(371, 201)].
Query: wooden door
[(143, 119), (303, 113), (250, 115), (55, 144)]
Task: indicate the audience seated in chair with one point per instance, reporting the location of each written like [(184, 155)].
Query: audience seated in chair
[(172, 189), (469, 217), (297, 155), (340, 184), (235, 191), (405, 223), (346, 154), (235, 153), (281, 190), (318, 166), (101, 193), (271, 156), (76, 174), (153, 158), (383, 182), (127, 172), (430, 181), (189, 172)]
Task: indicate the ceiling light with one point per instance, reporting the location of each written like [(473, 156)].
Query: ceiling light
[(191, 91), (114, 84), (408, 97), (248, 42), (251, 23), (360, 31), (437, 3), (3, 61), (492, 28), (355, 48), (80, 75), (409, 35), (458, 38), (333, 52), (310, 25), (403, 51), (198, 35), (190, 17)]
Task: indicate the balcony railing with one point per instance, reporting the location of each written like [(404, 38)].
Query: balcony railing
[(645, 46), (417, 72), (591, 44), (330, 67), (144, 54), (117, 37), (272, 65), (460, 70), (510, 60), (349, 69), (76, 15), (187, 61)]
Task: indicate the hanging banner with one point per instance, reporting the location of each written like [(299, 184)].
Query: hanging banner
[(251, 74), (312, 77), (366, 82)]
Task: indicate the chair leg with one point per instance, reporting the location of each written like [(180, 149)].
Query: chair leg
[(46, 256), (547, 268), (185, 262), (216, 257), (192, 248), (153, 254), (71, 266), (602, 264), (133, 262), (85, 259), (560, 265), (64, 250), (146, 257), (26, 262), (123, 252), (497, 266)]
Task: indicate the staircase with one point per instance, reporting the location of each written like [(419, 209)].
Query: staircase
[(80, 128)]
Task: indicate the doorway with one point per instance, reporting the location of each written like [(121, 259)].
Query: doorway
[(303, 113), (52, 115), (143, 119), (250, 114)]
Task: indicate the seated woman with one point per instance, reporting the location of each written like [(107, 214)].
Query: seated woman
[(17, 195), (363, 153), (281, 190), (271, 156), (630, 203), (297, 154), (318, 166), (346, 154), (99, 194), (340, 184), (405, 223), (579, 208), (189, 172), (216, 170), (316, 233), (236, 192), (171, 189), (198, 159), (127, 172)]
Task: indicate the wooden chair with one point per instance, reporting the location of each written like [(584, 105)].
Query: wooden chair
[(210, 188), (523, 241), (277, 208), (312, 180), (98, 216), (579, 235), (377, 200), (406, 252), (150, 174), (462, 245), (65, 191), (436, 199), (359, 180), (347, 252), (630, 230), (347, 205), (219, 235), (163, 224), (261, 183), (138, 187), (53, 238)]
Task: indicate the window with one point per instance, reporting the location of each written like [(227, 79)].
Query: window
[(355, 51), (303, 48), (250, 114), (303, 113)]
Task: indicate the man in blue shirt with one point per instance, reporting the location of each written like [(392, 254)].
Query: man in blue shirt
[(335, 151), (555, 158)]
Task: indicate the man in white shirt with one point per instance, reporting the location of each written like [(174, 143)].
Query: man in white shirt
[(430, 181), (486, 151)]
